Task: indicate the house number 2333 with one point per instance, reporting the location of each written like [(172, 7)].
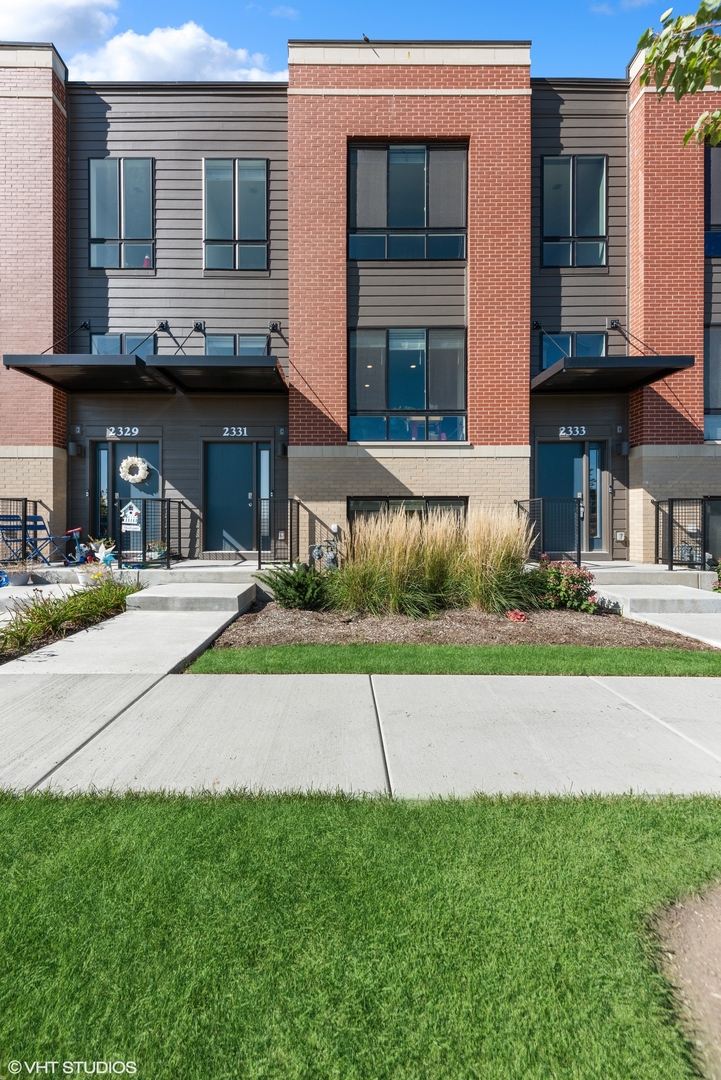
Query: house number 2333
[(229, 432), (570, 430)]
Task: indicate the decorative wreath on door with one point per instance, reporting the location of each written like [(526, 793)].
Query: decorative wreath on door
[(134, 470)]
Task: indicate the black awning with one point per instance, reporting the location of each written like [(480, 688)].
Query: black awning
[(91, 374), (579, 374), (220, 374)]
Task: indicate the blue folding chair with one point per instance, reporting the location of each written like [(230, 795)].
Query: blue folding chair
[(11, 538), (39, 544)]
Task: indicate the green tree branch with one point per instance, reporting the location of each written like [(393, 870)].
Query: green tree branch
[(685, 57)]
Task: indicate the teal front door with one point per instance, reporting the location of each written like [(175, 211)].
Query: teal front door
[(229, 496), (572, 470)]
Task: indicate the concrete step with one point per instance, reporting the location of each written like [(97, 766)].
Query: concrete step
[(12, 595), (234, 575), (193, 596), (694, 579), (680, 599)]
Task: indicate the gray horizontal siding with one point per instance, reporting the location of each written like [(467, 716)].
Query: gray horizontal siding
[(568, 119), (178, 128), (181, 423), (712, 293), (406, 294)]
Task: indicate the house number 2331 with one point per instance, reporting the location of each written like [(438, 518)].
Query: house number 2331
[(229, 432), (570, 430)]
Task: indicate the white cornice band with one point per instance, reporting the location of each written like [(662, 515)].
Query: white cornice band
[(479, 55), (40, 56)]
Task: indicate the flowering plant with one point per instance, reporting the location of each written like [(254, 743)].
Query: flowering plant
[(565, 585), (516, 615), (717, 584)]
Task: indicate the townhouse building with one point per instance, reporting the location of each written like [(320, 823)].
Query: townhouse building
[(413, 276)]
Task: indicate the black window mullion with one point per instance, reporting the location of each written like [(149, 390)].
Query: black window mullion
[(388, 368)]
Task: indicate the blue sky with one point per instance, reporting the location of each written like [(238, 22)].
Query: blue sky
[(247, 38)]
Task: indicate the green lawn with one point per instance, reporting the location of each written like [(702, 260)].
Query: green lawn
[(230, 937), (458, 660)]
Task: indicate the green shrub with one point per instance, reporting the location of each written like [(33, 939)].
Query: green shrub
[(41, 619), (564, 585), (299, 586)]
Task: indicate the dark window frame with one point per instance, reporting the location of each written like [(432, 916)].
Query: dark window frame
[(712, 230), (237, 243), (152, 340), (573, 239), (573, 334), (461, 500), (408, 412), (121, 240), (236, 336), (419, 230)]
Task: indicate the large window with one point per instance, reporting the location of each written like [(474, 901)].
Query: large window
[(131, 344), (556, 346), (121, 213), (236, 214), (712, 383), (712, 245), (574, 211), (236, 344), (407, 385), (370, 507), (407, 202)]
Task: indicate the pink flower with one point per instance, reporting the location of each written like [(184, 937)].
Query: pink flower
[(516, 616)]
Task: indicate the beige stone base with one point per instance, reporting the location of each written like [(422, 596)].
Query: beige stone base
[(37, 472), (323, 477), (663, 472)]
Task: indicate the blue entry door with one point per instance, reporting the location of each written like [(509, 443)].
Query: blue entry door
[(229, 496)]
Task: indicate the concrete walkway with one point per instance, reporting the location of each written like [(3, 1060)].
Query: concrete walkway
[(412, 736)]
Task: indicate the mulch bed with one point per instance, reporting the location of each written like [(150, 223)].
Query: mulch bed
[(269, 624)]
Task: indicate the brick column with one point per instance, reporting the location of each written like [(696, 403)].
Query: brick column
[(666, 260), (33, 293)]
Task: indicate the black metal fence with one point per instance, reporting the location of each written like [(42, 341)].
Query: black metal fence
[(151, 532), (278, 531), (557, 527), (688, 532)]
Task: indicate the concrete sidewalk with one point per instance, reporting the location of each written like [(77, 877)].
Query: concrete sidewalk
[(412, 736)]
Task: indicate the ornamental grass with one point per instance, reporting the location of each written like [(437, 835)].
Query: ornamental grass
[(40, 619), (397, 563)]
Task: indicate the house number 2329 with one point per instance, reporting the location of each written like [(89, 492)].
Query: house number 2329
[(229, 432), (567, 432)]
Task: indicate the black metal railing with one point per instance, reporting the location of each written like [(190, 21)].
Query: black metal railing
[(688, 532), (151, 532), (557, 526), (277, 531)]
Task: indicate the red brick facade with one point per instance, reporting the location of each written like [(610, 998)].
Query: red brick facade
[(497, 127), (33, 246), (666, 261)]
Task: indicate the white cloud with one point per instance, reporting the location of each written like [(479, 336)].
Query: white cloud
[(170, 53), (626, 4), (283, 12), (60, 21), (602, 9)]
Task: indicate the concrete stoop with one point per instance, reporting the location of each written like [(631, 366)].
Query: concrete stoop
[(664, 599), (193, 596)]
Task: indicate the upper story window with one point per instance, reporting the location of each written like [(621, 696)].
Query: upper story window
[(236, 344), (407, 385), (121, 213), (712, 191), (555, 346), (236, 214), (712, 383), (574, 210), (407, 202), (130, 344)]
